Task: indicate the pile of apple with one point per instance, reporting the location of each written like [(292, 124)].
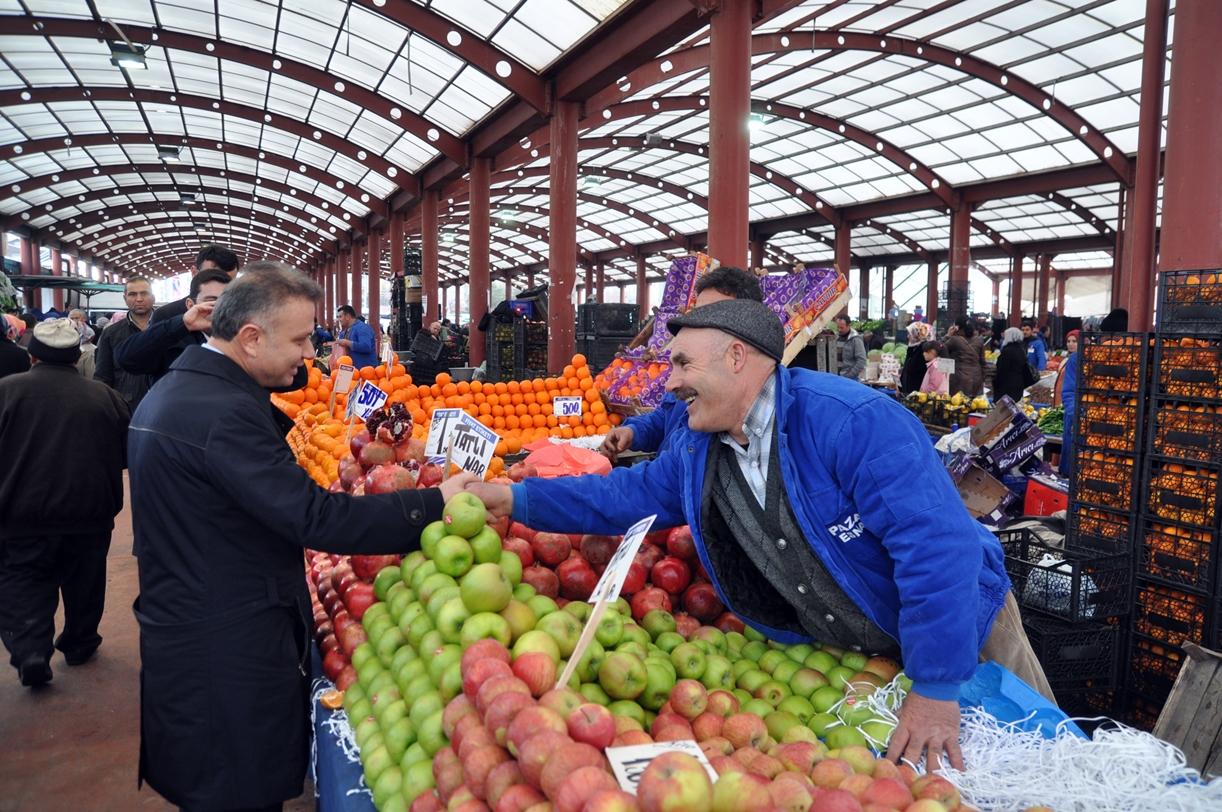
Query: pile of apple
[(342, 589), (665, 574)]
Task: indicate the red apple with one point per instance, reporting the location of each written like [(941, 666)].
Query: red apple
[(740, 791), (551, 548), (725, 765), (597, 550), (648, 599), (634, 582), (566, 760), (580, 786), (631, 737), (744, 730), (428, 801), (484, 649), (611, 800), (530, 721), (447, 772), (890, 793), (577, 579), (766, 766), (542, 579), (463, 726), (830, 773), (521, 547), (680, 544), (502, 777), (534, 752), (351, 637), (501, 712), (455, 710), (472, 738), (936, 788), (686, 625), (346, 678), (800, 756), (592, 724), (537, 669), (480, 672), (789, 796), (689, 698), (707, 726), (729, 622), (723, 703), (328, 644), (333, 663), (359, 597), (519, 798), (478, 764), (671, 574), (702, 601), (562, 700), (496, 686), (674, 781)]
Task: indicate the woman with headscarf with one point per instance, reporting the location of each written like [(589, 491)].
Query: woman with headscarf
[(1013, 374), (1071, 347), (968, 356), (913, 372)]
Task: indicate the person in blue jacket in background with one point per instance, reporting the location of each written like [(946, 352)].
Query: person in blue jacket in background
[(650, 432), (1117, 321), (356, 338), (1037, 350), (784, 477)]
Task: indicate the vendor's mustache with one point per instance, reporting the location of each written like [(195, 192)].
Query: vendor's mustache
[(685, 393)]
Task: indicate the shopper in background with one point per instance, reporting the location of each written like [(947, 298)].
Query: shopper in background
[(221, 512), (424, 369), (138, 295), (153, 350), (1116, 321), (782, 476), (29, 320), (211, 258), (356, 338), (1071, 346), (1013, 373), (1037, 350), (967, 352), (850, 351), (913, 372), (651, 432), (935, 381), (88, 359), (13, 359), (58, 512)]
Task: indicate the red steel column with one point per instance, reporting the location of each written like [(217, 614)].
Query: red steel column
[(729, 136), (863, 292), (27, 251), (341, 276), (996, 306), (1192, 178), (931, 292), (588, 290), (1045, 281), (428, 258), (1137, 273), (642, 290), (375, 280), (479, 231), (1016, 291), (960, 260), (441, 301), (888, 290), (600, 282), (562, 237), (1119, 251), (358, 270), (458, 303), (57, 269), (395, 249), (843, 254), (1061, 278)]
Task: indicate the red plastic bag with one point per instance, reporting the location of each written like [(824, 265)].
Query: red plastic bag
[(552, 459)]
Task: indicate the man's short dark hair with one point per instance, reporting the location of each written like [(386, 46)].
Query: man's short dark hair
[(931, 345), (225, 259), (346, 310), (136, 278), (256, 297), (730, 281), (204, 277), (264, 265), (844, 319)]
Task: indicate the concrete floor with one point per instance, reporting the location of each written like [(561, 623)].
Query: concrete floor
[(74, 745)]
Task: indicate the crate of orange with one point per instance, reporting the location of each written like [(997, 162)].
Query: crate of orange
[(1190, 301)]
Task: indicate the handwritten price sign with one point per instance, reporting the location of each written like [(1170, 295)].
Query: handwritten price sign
[(471, 445), (567, 407), (443, 422), (343, 379), (366, 400)]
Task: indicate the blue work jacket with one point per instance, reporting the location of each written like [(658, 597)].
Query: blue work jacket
[(907, 553), (654, 430)]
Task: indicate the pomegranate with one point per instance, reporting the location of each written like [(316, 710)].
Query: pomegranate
[(635, 580), (368, 566), (702, 601), (577, 579), (542, 579), (597, 550), (671, 574), (521, 547), (551, 548), (679, 543), (729, 622), (387, 478), (375, 453), (648, 599), (358, 442)]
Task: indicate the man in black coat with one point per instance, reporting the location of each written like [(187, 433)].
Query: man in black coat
[(138, 295), (221, 513), (57, 517), (211, 258), (153, 350)]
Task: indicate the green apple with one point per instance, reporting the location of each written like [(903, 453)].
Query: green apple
[(633, 647), (486, 545), (464, 514), (354, 693), (853, 660), (387, 713), (754, 650), (430, 734), (657, 621), (718, 673), (855, 714), (440, 659), (386, 577), (486, 625), (799, 706), (757, 706), (429, 536), (363, 654), (574, 681), (825, 698), (770, 659), (669, 641), (372, 742), (579, 609), (378, 626), (454, 556), (414, 610), (805, 681), (845, 736), (361, 733), (375, 611), (384, 679), (399, 599), (740, 667), (418, 687), (432, 640), (742, 696), (389, 783), (423, 707), (439, 599), (542, 605), (369, 669), (702, 645), (778, 722), (410, 562), (414, 755), (524, 592), (450, 684), (659, 682), (593, 693), (784, 671), (403, 656), (376, 763), (799, 652), (773, 692), (591, 659), (751, 680), (408, 672), (689, 661), (421, 572), (628, 709), (537, 640), (417, 777), (634, 632), (434, 582), (521, 619), (753, 634), (735, 642), (389, 644), (486, 589), (661, 658), (511, 565), (714, 637), (360, 709), (564, 629), (821, 661), (450, 619), (839, 676), (622, 675), (610, 629), (878, 731)]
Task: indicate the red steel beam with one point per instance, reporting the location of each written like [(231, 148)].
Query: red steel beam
[(478, 235), (562, 242), (729, 139), (428, 252)]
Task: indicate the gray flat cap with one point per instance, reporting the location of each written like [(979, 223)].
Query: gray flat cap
[(753, 322)]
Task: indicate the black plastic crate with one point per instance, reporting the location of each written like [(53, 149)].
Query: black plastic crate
[(1153, 667), (599, 352), (608, 319), (1075, 653), (1170, 615), (1189, 367), (1094, 528), (1184, 430), (1181, 492), (1190, 301), (1114, 363), (1142, 712), (1178, 555), (1110, 422), (1104, 479), (1070, 583)]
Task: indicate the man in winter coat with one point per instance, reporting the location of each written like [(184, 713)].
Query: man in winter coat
[(356, 339), (153, 350), (210, 258), (221, 513), (57, 518), (850, 350), (138, 294), (1037, 350), (782, 477)]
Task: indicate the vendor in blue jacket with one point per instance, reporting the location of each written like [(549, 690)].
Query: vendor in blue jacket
[(356, 338), (784, 478)]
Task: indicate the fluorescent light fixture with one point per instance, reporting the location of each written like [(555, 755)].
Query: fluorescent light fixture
[(168, 153), (507, 215), (127, 56), (653, 140), (589, 183), (186, 198), (757, 121)]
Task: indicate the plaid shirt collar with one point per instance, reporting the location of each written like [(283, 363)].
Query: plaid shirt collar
[(758, 423)]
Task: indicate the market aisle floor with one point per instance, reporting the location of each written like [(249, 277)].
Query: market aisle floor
[(74, 745)]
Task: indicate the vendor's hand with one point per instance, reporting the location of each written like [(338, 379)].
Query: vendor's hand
[(617, 441), (929, 726), (498, 499), (198, 318), (456, 484)]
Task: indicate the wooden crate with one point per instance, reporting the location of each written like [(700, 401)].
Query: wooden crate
[(1192, 717)]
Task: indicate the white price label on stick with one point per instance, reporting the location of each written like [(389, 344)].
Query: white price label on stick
[(343, 379), (607, 590), (443, 422), (567, 406), (366, 400), (471, 444), (628, 763), (946, 365)]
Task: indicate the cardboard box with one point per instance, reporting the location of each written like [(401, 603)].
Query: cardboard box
[(985, 498), (1015, 447), (1004, 418)]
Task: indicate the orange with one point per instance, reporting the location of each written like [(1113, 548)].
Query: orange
[(569, 371), (343, 359), (501, 388), (514, 387), (443, 378), (332, 700), (579, 360), (464, 387)]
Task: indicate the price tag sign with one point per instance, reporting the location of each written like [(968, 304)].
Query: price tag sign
[(443, 422), (388, 354), (607, 590), (628, 763), (366, 400), (946, 365), (471, 445), (343, 379), (567, 406)]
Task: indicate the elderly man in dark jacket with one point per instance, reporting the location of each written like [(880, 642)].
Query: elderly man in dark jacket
[(221, 514), (57, 517)]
